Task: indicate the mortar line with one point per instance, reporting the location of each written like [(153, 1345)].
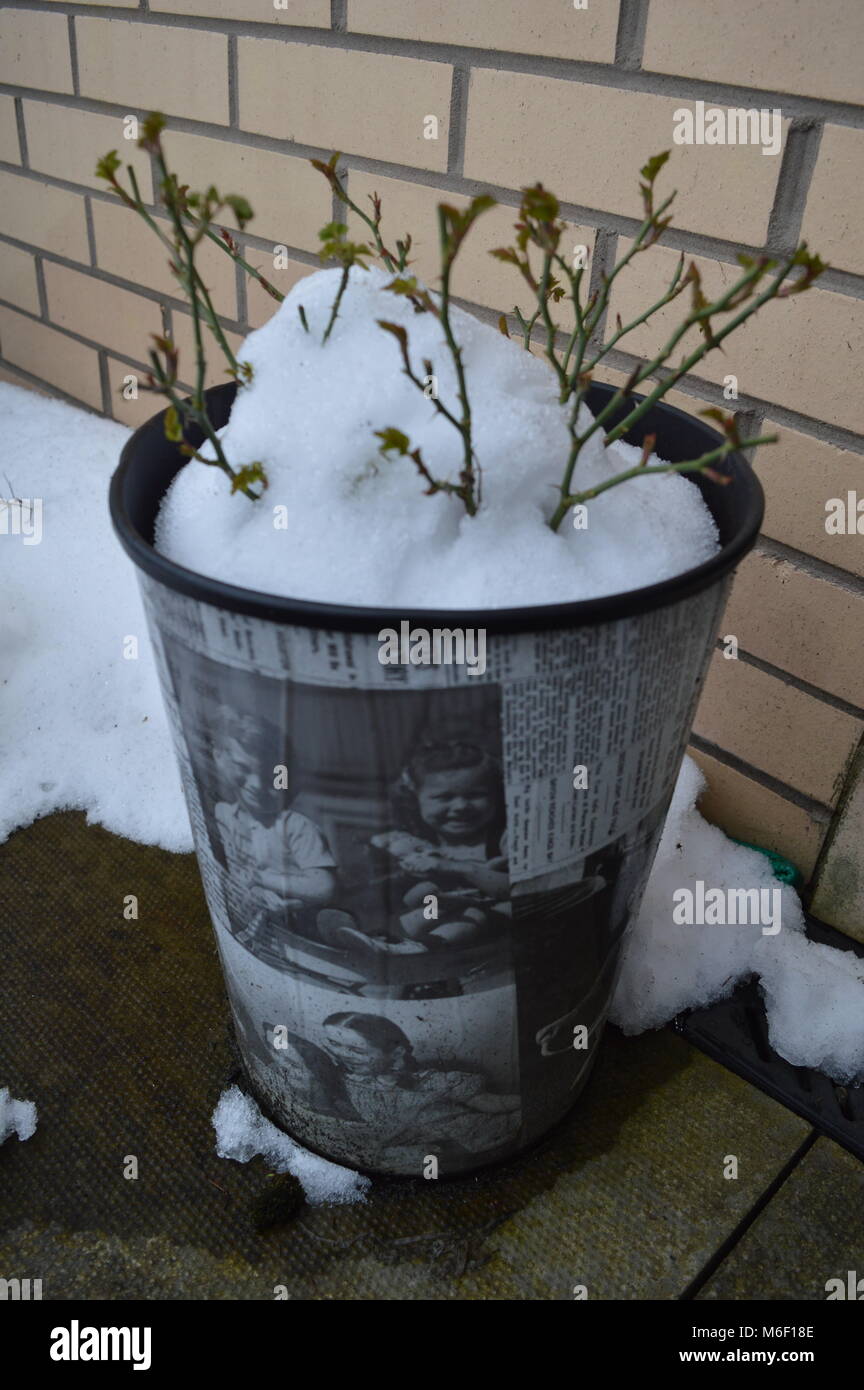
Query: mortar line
[(854, 770), (111, 352), (73, 55), (22, 133), (42, 290), (819, 569), (793, 184), (817, 810), (339, 16), (48, 386), (233, 84), (458, 121), (673, 85), (823, 696), (161, 300), (698, 387), (105, 382), (602, 260), (740, 1230), (693, 242), (91, 231), (630, 38)]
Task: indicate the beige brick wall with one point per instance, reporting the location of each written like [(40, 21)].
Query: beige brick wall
[(520, 92)]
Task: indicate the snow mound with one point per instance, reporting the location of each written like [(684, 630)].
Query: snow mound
[(242, 1132), (814, 994), (359, 528), (85, 725), (16, 1116)]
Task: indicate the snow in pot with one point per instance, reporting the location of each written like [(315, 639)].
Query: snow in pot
[(340, 523)]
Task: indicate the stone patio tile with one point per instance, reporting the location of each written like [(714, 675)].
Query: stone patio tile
[(811, 1231)]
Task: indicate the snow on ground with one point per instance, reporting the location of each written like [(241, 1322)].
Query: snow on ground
[(814, 994), (309, 416), (242, 1132), (16, 1116), (84, 726), (88, 730)]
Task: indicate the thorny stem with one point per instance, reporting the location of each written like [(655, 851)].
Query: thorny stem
[(471, 476), (190, 216), (334, 313), (395, 263), (227, 243), (691, 466)]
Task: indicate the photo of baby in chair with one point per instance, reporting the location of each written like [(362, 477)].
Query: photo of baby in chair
[(443, 866)]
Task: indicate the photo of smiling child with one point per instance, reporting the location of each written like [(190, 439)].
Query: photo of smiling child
[(445, 860)]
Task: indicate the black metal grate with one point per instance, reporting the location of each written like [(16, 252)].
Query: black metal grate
[(735, 1033)]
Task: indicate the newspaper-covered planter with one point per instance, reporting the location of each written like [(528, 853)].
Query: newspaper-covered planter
[(422, 835)]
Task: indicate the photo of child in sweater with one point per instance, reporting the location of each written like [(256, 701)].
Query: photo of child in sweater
[(277, 860)]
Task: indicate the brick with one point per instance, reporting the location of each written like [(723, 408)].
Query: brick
[(545, 26), (290, 200), (145, 67), (777, 728), (18, 279), (801, 352), (839, 895), (51, 356), (184, 339), (139, 409), (67, 143), (366, 103), (109, 316), (587, 143), (812, 47), (748, 811), (800, 475), (128, 248), (800, 622), (13, 376), (478, 277), (310, 13), (834, 216), (31, 211), (34, 50), (10, 151), (260, 306)]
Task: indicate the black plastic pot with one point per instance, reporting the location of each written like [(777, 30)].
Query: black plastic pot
[(419, 908)]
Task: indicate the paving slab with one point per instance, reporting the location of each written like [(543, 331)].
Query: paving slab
[(812, 1231), (119, 1031)]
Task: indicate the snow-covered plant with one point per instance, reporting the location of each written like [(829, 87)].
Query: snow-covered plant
[(576, 355), (573, 349), (192, 217)]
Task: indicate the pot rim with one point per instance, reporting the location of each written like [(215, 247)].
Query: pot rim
[(357, 618)]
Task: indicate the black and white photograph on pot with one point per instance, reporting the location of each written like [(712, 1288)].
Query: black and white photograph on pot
[(384, 1083), (360, 835)]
